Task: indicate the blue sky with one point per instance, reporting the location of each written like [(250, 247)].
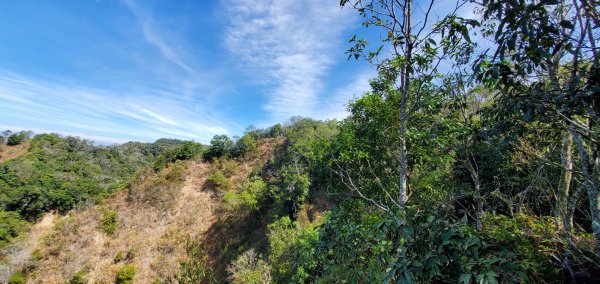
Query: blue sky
[(119, 70)]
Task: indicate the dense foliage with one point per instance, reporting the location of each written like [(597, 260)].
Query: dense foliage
[(484, 173)]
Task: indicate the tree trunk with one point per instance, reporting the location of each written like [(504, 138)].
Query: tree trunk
[(405, 89), (564, 185), (590, 167), (471, 165), (479, 203), (563, 204), (403, 166), (594, 198)]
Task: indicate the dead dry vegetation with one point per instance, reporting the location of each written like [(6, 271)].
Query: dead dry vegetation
[(155, 218), (11, 152)]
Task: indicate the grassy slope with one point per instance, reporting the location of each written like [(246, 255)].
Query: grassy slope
[(154, 234), (11, 152)]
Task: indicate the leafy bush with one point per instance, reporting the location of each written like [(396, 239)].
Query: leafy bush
[(220, 146), (108, 222), (218, 180), (245, 146), (37, 255), (247, 197), (536, 240), (292, 251), (118, 257), (291, 186), (18, 138), (186, 151), (275, 130), (428, 249), (125, 256), (11, 225), (249, 267), (81, 277), (126, 274), (17, 278)]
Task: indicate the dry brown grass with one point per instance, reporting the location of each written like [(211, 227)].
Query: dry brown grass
[(19, 253), (11, 152), (154, 236)]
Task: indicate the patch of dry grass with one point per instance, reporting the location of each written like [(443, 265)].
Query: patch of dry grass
[(11, 152), (155, 219), (152, 227)]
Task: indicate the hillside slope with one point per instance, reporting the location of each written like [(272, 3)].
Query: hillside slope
[(11, 152), (154, 222)]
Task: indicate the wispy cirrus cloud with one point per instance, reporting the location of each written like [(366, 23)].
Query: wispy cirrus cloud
[(95, 138), (70, 108), (155, 36), (288, 47)]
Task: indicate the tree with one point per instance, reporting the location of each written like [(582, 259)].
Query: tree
[(547, 65), (417, 51), (243, 146), (18, 138), (220, 145)]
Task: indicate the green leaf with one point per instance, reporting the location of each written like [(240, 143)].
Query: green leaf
[(491, 279), (464, 278)]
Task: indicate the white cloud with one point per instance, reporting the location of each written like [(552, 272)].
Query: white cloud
[(155, 36), (336, 105), (289, 45), (69, 108)]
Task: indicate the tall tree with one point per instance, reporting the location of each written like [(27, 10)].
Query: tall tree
[(417, 50)]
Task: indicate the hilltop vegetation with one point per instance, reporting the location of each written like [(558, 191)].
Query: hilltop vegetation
[(59, 173)]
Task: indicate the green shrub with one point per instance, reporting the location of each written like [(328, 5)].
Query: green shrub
[(426, 249), (108, 222), (245, 146), (292, 251), (247, 198), (37, 255), (18, 138), (291, 186), (218, 180), (11, 225), (81, 277), (186, 151), (118, 257), (249, 267), (122, 256), (175, 173), (17, 278), (126, 274), (535, 239)]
